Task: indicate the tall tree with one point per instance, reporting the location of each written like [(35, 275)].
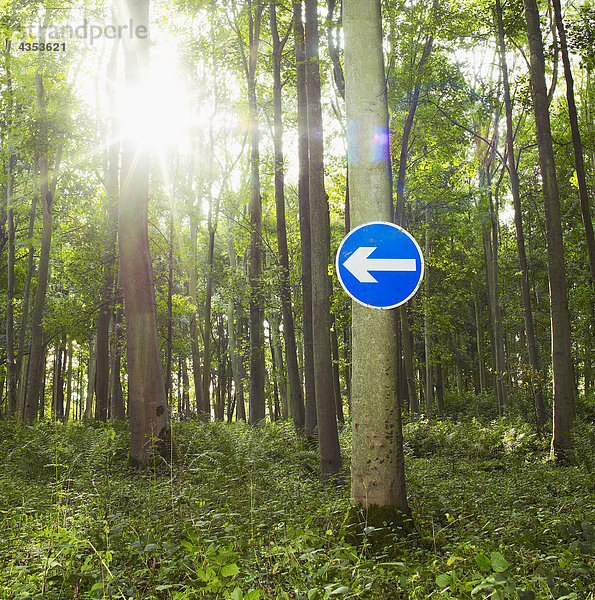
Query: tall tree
[(295, 386), (257, 362), (520, 236), (46, 193), (149, 418), (576, 141), (560, 323), (109, 256), (320, 231), (377, 464), (304, 217), (11, 365)]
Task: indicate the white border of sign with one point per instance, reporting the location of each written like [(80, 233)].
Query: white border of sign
[(409, 236)]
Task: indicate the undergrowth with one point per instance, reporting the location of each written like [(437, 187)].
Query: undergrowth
[(240, 513)]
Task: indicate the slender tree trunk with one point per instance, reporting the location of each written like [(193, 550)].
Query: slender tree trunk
[(23, 366), (336, 378), (192, 280), (480, 357), (170, 296), (328, 438), (408, 361), (66, 415), (118, 409), (149, 415), (279, 366), (212, 219), (377, 464), (36, 354), (12, 371), (429, 395), (304, 218), (295, 385), (91, 378), (439, 387), (257, 362), (535, 374), (109, 255), (560, 323), (576, 142)]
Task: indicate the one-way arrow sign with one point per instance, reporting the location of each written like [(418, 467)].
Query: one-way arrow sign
[(387, 251)]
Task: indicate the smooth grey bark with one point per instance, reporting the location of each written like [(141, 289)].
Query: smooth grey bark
[(377, 464), (562, 368)]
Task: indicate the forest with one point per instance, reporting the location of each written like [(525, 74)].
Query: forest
[(200, 396)]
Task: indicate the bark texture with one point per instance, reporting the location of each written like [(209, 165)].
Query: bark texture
[(377, 466), (328, 437), (560, 324)]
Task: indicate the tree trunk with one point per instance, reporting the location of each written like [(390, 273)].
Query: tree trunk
[(118, 409), (560, 324), (377, 465), (279, 366), (328, 438), (11, 364), (336, 378), (36, 354), (192, 279), (23, 366), (295, 385), (257, 362), (212, 219), (91, 379), (304, 218), (576, 142), (149, 418), (429, 395), (535, 374), (109, 255), (66, 415)]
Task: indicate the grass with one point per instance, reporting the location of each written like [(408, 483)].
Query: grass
[(238, 513)]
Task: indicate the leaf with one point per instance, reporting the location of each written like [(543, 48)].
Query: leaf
[(483, 562), (444, 580), (237, 594), (229, 570), (252, 595), (342, 589), (498, 562)]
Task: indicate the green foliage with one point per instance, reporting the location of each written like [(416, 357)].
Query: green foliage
[(238, 515)]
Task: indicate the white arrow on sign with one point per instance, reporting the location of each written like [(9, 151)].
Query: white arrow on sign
[(359, 265)]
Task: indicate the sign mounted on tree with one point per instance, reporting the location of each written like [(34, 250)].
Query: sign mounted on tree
[(380, 265)]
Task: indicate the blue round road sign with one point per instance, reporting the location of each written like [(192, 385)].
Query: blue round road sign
[(380, 265)]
